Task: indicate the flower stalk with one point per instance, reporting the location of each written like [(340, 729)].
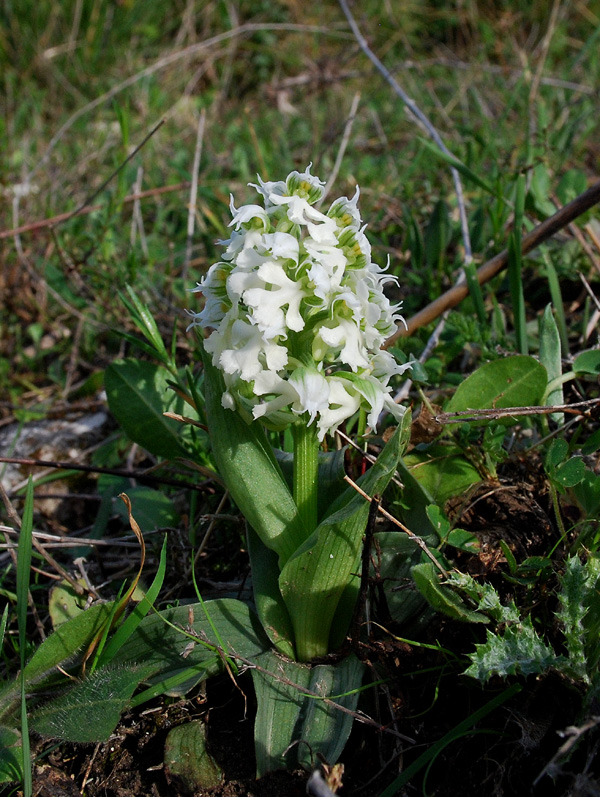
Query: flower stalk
[(306, 483), (299, 316)]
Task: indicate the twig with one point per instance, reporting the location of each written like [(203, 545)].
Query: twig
[(119, 168), (359, 716), (193, 194), (128, 474), (55, 220), (343, 144), (533, 239), (14, 516), (509, 412), (415, 537), (419, 116), (54, 541)]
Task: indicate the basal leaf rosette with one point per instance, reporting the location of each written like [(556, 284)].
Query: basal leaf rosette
[(298, 311)]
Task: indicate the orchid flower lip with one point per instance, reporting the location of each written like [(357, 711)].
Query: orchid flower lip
[(298, 310)]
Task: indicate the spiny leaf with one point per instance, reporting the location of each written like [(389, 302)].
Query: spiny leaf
[(518, 651)]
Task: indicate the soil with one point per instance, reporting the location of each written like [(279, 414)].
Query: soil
[(520, 748)]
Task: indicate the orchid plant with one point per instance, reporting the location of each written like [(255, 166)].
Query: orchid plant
[(298, 316)]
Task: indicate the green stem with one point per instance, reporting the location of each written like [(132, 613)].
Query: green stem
[(306, 483)]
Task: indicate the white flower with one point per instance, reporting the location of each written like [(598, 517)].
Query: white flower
[(313, 391), (299, 312)]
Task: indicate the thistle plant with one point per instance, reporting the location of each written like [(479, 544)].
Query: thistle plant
[(298, 316)]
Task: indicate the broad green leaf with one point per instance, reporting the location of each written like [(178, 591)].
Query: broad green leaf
[(587, 493), (570, 473), (60, 648), (179, 646), (550, 357), (517, 381), (588, 362), (411, 506), (285, 714), (138, 395), (187, 758), (268, 599), (314, 579), (442, 598), (64, 603), (443, 471), (557, 452), (90, 711), (247, 464)]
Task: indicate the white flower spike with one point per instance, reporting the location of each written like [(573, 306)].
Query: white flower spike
[(298, 311)]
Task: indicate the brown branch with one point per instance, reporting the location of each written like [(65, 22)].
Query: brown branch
[(54, 220), (577, 408), (128, 474), (533, 239)]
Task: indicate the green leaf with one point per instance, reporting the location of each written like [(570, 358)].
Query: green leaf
[(411, 507), (314, 579), (268, 599), (180, 658), (144, 320), (518, 381), (587, 493), (443, 471), (557, 452), (60, 648), (570, 472), (550, 357), (573, 596), (285, 714), (247, 464), (64, 603), (138, 395), (187, 758), (133, 620), (437, 236), (485, 596), (90, 711), (443, 599), (588, 362), (518, 651), (397, 554), (460, 167)]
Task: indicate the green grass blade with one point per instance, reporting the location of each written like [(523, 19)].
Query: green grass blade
[(137, 615), (3, 624), (455, 733), (475, 291), (515, 267), (550, 357), (557, 301), (460, 167)]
